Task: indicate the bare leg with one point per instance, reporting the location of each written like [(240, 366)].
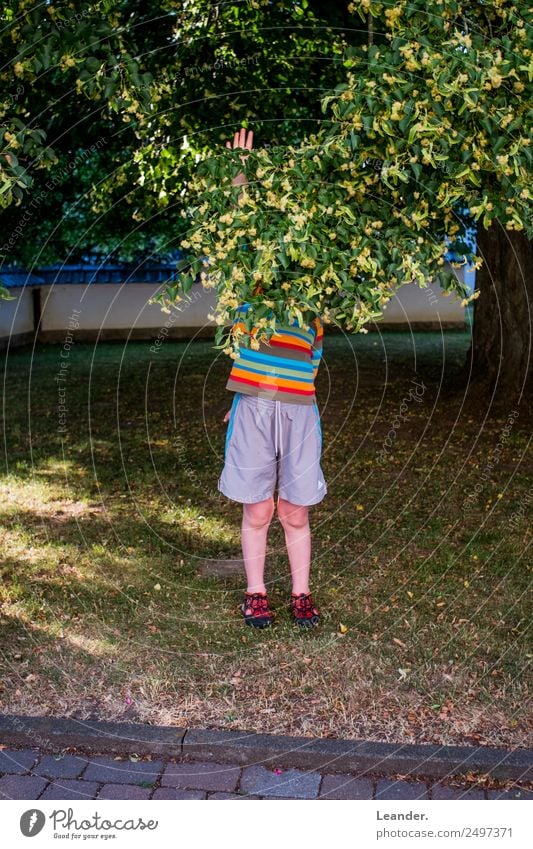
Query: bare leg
[(295, 521), (256, 519)]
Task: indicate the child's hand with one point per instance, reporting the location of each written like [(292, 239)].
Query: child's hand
[(241, 140), (228, 414)]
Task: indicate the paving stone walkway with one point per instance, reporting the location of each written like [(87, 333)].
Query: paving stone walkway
[(31, 774)]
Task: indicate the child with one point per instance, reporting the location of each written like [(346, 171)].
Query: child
[(274, 434)]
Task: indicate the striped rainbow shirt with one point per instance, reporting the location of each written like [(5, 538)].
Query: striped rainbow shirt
[(284, 369)]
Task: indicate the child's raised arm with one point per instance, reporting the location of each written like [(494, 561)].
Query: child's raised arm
[(240, 139)]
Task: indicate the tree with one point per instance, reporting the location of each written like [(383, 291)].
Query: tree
[(434, 116), (48, 52), (124, 98), (215, 64), (61, 87), (500, 356)]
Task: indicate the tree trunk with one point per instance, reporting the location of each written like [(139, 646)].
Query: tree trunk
[(501, 353)]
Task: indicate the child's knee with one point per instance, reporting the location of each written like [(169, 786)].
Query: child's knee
[(259, 514), (292, 515)]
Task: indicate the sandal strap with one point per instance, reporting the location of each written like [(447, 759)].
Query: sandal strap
[(303, 605), (257, 603)]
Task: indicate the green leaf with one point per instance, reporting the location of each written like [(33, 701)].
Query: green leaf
[(404, 123), (412, 134), (354, 140), (92, 64)]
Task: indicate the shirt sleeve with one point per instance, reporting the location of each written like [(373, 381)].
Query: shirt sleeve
[(316, 347)]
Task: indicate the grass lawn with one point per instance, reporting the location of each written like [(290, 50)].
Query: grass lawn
[(421, 549)]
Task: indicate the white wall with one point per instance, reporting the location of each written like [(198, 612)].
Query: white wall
[(16, 316), (125, 309), (412, 304), (105, 306)]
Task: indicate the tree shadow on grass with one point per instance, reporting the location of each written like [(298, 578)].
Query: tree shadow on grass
[(115, 597)]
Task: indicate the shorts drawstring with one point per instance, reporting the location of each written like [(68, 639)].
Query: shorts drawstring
[(277, 427)]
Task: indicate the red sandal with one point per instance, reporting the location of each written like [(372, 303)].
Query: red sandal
[(256, 610), (304, 611)]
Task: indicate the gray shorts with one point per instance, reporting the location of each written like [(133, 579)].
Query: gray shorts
[(269, 442)]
